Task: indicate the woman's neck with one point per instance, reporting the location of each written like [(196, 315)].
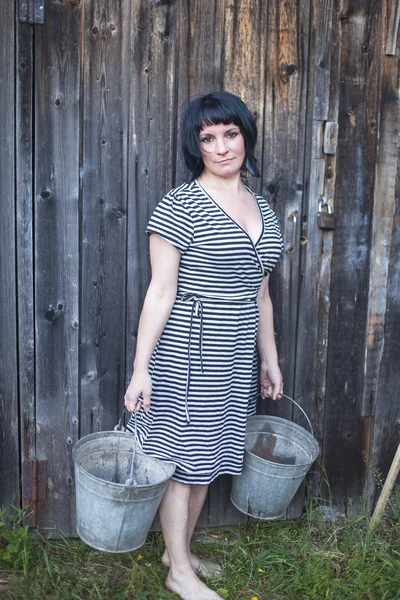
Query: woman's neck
[(231, 185)]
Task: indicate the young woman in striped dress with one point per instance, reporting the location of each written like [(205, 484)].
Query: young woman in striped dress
[(213, 245)]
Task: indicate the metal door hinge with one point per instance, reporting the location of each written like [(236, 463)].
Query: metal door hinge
[(34, 486), (31, 11)]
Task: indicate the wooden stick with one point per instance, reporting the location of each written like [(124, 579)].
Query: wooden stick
[(387, 488), (393, 28)]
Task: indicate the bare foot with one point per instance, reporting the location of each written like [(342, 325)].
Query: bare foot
[(189, 587), (205, 568)]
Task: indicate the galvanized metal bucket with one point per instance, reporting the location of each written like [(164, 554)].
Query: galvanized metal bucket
[(115, 511), (277, 457)]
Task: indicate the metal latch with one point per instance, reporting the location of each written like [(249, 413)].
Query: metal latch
[(34, 486), (31, 11), (290, 248)]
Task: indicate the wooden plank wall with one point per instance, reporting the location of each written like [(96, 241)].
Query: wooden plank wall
[(100, 89), (9, 452)]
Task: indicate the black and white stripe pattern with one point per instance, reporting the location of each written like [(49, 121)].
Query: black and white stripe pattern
[(199, 410)]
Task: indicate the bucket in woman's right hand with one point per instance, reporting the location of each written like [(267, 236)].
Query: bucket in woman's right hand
[(111, 515), (278, 454)]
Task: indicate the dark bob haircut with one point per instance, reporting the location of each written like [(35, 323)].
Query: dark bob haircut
[(213, 109)]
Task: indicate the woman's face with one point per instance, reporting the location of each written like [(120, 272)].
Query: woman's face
[(222, 148)]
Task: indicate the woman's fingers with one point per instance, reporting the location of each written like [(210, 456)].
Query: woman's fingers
[(138, 393), (272, 391), (145, 400), (134, 402)]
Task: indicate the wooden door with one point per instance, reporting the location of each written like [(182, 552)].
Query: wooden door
[(100, 90)]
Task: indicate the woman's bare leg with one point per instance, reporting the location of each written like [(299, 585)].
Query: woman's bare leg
[(174, 517), (198, 494)]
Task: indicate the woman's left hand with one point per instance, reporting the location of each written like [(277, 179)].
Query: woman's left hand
[(271, 382)]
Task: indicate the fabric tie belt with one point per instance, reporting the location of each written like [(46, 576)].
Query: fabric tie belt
[(197, 313)]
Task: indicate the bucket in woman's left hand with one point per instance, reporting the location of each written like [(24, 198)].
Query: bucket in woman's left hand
[(278, 454), (113, 516)]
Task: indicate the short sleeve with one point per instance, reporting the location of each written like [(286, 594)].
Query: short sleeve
[(172, 221)]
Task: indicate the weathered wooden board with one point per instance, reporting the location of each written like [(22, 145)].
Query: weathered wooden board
[(105, 110), (283, 166), (393, 28), (347, 433), (9, 452), (387, 414), (201, 49), (322, 60), (382, 353), (315, 245), (152, 120), (26, 326), (57, 134), (245, 62), (198, 61), (382, 227)]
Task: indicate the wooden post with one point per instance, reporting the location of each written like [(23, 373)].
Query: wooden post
[(387, 488)]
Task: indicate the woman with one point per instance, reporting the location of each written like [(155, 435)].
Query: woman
[(213, 244)]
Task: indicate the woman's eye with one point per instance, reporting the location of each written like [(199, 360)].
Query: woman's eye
[(232, 134), (205, 139)]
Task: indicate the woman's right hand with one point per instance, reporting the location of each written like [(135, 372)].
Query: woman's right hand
[(138, 392)]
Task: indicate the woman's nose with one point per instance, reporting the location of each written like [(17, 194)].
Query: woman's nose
[(221, 146)]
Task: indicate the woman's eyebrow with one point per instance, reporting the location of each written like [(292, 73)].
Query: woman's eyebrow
[(233, 128)]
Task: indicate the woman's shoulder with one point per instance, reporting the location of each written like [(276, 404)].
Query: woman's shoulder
[(183, 193)]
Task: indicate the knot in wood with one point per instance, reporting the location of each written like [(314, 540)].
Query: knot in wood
[(52, 314), (290, 70), (286, 71), (118, 213)]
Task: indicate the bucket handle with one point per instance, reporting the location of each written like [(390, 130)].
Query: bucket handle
[(302, 410), (130, 482)]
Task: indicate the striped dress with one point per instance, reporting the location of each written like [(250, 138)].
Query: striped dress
[(204, 367)]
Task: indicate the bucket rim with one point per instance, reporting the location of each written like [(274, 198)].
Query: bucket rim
[(282, 466), (113, 485), (284, 421)]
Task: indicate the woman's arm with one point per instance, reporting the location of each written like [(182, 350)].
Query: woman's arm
[(160, 298), (270, 376)]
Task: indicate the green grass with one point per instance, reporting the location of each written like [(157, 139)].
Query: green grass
[(307, 559)]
